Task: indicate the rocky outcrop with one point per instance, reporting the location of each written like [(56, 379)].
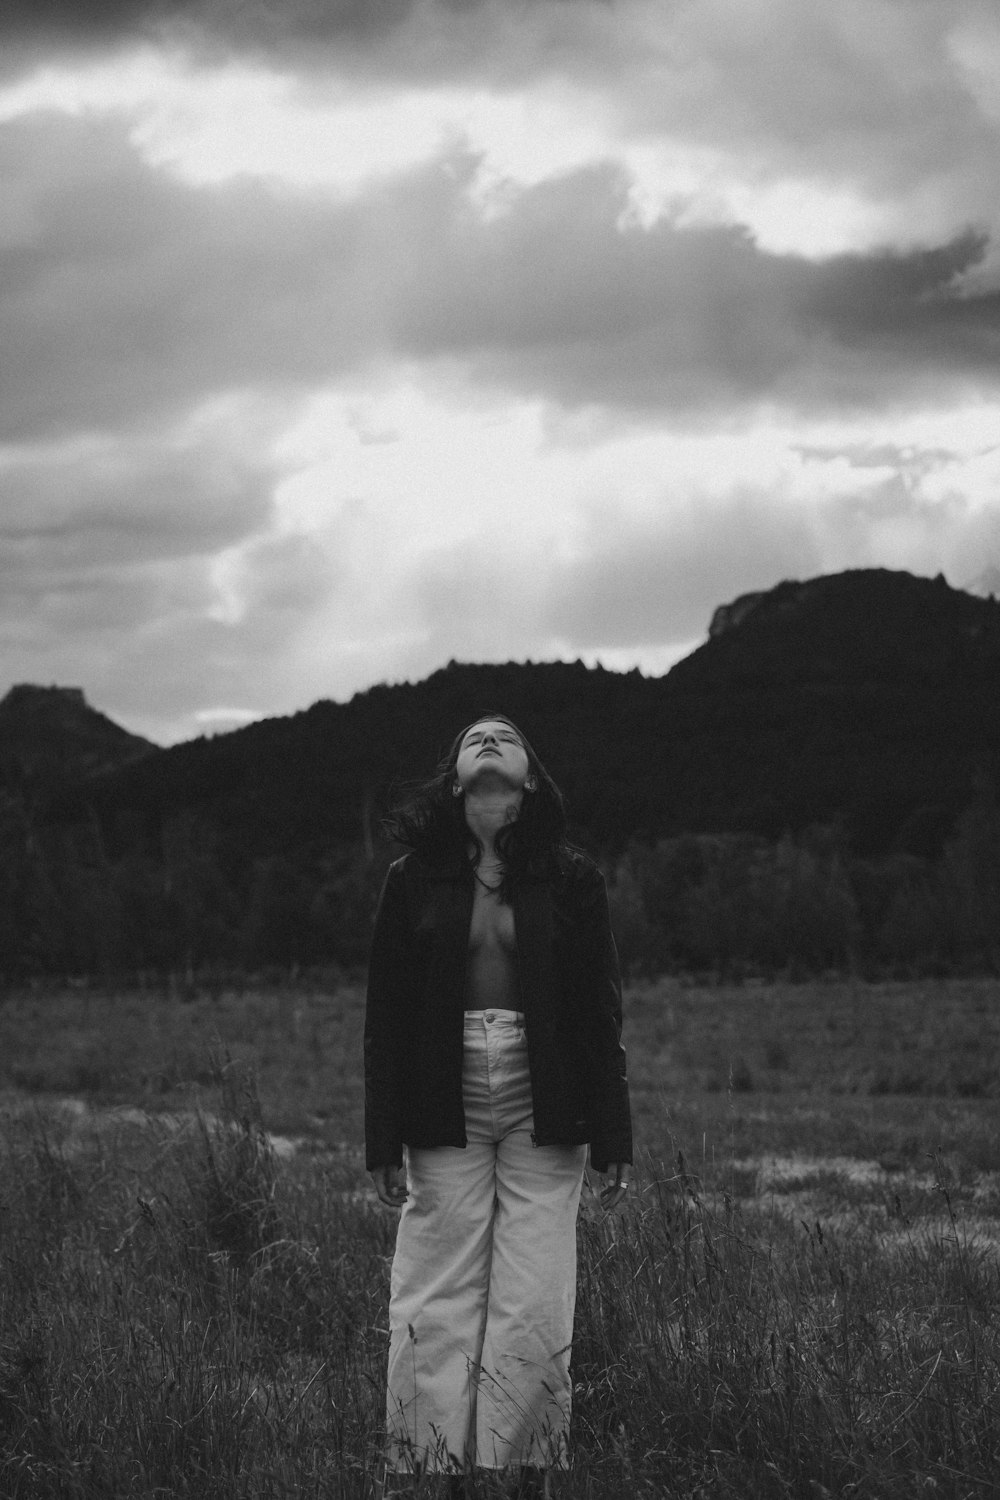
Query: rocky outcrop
[(728, 616), (45, 730)]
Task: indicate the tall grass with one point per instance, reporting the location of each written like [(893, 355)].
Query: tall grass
[(726, 1351), (180, 1318), (184, 1315)]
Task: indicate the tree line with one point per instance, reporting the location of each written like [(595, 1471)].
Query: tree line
[(804, 905), (728, 905)]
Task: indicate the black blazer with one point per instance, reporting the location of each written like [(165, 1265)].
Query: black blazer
[(570, 995)]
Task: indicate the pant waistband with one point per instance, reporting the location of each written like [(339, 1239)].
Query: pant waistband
[(512, 1017)]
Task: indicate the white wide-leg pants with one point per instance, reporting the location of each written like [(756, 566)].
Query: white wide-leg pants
[(484, 1277)]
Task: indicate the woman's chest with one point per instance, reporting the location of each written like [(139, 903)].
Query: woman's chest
[(491, 924)]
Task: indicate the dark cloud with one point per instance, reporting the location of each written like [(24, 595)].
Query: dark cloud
[(91, 611), (878, 100), (135, 307), (265, 24), (874, 96), (126, 294), (85, 510), (564, 297), (387, 38), (101, 21), (88, 17)]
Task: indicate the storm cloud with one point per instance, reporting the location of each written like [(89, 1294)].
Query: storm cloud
[(127, 295), (558, 296), (340, 339), (206, 26)]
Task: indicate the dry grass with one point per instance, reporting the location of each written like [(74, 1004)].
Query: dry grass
[(799, 1301)]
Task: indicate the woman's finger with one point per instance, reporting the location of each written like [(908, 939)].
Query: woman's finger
[(616, 1182), (390, 1186)]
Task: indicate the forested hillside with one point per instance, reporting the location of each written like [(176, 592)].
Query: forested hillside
[(814, 787)]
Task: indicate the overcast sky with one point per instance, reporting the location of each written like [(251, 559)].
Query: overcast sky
[(339, 338)]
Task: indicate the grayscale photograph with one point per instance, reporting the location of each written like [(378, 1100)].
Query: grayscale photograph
[(499, 749)]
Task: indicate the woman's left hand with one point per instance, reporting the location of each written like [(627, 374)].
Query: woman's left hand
[(615, 1185)]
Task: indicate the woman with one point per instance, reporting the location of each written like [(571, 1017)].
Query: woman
[(492, 1059)]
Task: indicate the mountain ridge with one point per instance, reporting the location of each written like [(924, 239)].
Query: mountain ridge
[(856, 698), (818, 780), (862, 698), (53, 732)]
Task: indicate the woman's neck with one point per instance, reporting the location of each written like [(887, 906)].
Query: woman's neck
[(486, 813)]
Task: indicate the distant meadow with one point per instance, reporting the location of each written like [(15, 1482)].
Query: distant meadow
[(797, 1300)]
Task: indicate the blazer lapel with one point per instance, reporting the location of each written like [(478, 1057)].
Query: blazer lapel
[(452, 907), (533, 927)]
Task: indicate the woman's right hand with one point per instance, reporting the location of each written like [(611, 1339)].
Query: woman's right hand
[(390, 1185)]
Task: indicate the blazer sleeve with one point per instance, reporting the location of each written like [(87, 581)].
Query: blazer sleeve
[(390, 977), (612, 1132)]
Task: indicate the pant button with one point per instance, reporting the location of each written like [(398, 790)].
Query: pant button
[(490, 1017)]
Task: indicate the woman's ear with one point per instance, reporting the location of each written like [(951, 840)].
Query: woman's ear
[(456, 790), (530, 784)]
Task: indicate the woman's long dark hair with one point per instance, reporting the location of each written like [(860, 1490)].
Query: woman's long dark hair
[(431, 819)]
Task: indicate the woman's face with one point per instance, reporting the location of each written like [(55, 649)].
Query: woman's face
[(492, 753)]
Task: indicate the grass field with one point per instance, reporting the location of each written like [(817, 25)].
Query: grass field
[(800, 1299)]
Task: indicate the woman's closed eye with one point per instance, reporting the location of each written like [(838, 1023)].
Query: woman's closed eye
[(474, 739)]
